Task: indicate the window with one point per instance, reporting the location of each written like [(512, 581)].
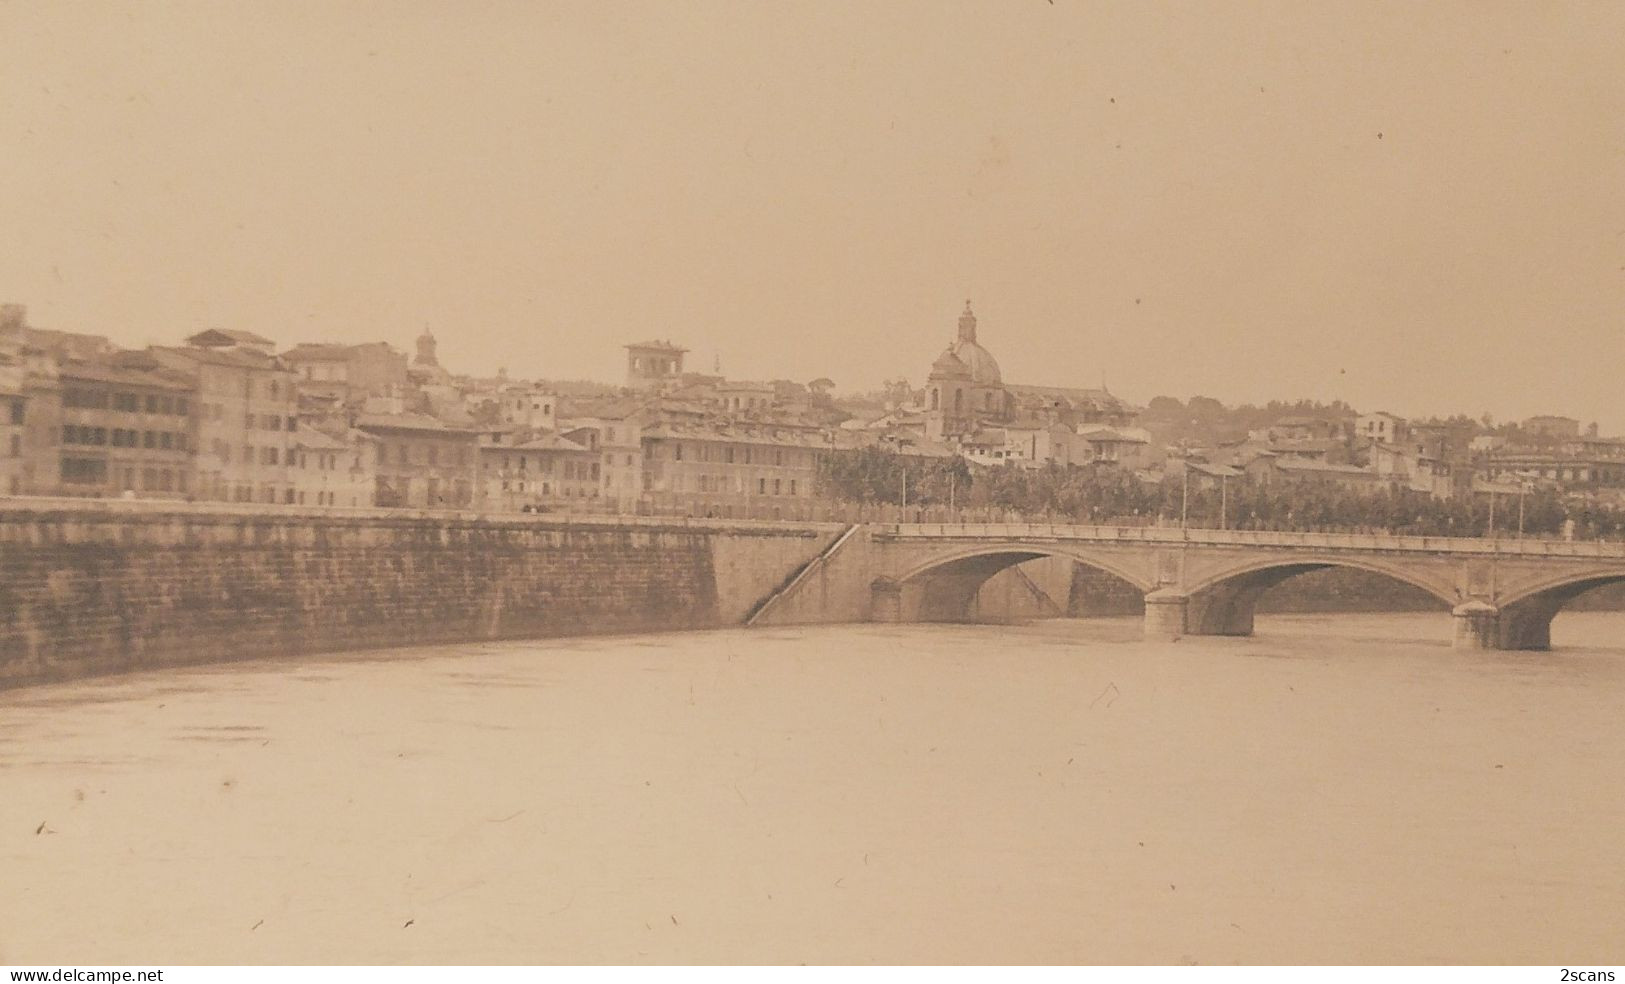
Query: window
[(16, 411), (792, 486), (84, 471), (149, 439), (181, 407), (677, 452), (761, 486), (87, 399), (166, 440), (16, 445), (270, 457), (776, 486)]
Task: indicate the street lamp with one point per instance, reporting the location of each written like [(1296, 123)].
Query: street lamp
[(1185, 492)]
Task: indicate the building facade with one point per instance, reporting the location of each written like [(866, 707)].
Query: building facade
[(726, 470), (126, 430), (247, 417), (334, 470), (544, 473), (423, 463)]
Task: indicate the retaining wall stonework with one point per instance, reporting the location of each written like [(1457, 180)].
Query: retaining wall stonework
[(86, 590)]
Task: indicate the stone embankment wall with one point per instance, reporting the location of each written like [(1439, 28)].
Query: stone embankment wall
[(107, 587)]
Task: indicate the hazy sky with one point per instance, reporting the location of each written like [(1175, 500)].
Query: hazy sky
[(1413, 206)]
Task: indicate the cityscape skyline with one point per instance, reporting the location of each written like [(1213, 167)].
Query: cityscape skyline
[(1404, 210)]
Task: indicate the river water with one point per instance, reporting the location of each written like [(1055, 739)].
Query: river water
[(1341, 788)]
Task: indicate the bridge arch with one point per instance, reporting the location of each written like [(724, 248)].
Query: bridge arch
[(1224, 602), (1525, 620), (944, 586)]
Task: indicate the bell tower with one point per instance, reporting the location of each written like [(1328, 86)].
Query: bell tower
[(426, 346)]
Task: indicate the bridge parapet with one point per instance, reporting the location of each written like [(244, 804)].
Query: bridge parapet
[(1167, 536)]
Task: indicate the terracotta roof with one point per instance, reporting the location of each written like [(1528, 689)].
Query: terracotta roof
[(233, 335), (550, 442), (314, 440), (1214, 471), (317, 350), (1324, 468), (237, 358), (107, 373), (407, 421)]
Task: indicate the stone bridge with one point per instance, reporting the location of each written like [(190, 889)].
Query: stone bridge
[(1503, 593)]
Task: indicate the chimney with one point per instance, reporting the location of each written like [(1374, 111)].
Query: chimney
[(13, 317)]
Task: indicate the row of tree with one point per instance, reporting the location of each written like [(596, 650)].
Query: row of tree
[(1114, 496)]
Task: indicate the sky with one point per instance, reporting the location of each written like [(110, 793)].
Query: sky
[(1413, 207)]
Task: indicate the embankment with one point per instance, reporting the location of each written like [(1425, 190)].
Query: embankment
[(105, 587)]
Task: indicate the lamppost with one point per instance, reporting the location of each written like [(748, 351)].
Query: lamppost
[(1224, 502), (1185, 492), (1522, 488)]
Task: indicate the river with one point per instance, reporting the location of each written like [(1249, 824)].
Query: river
[(1337, 788)]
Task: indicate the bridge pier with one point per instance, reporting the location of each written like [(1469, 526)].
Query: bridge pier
[(1478, 625), (886, 601), (1165, 611), (1527, 624)]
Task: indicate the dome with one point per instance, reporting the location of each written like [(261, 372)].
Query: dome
[(950, 365), (984, 369)]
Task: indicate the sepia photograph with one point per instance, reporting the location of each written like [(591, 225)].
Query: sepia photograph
[(966, 484)]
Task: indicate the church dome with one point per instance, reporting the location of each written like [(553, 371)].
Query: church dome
[(984, 369), (949, 365)]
